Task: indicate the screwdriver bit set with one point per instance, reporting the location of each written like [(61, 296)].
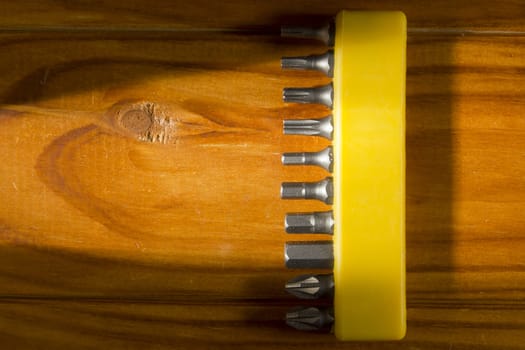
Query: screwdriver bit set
[(366, 257)]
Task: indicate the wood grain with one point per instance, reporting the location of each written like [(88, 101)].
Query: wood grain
[(166, 15), (141, 173), (139, 325)]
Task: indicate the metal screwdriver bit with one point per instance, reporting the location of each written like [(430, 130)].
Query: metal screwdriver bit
[(323, 158), (311, 286), (322, 63), (322, 190), (324, 33), (319, 94), (309, 127), (316, 222), (309, 255), (310, 318)]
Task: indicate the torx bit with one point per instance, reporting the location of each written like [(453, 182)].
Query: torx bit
[(309, 255), (309, 127), (323, 158), (316, 222), (310, 318), (311, 286), (322, 190), (324, 33), (323, 94), (322, 63)]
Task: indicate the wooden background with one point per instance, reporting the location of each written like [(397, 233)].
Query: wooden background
[(140, 174)]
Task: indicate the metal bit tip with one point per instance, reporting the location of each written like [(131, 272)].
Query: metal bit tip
[(319, 94), (323, 158), (311, 286), (309, 127), (322, 63), (322, 190), (299, 62), (309, 255), (324, 33), (310, 318), (316, 222)]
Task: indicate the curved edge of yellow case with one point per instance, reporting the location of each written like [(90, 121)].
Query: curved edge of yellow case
[(369, 175)]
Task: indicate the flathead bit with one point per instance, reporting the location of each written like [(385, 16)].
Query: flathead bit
[(322, 63), (324, 33), (319, 94), (323, 158), (310, 318), (311, 286), (309, 255), (316, 222), (322, 190), (309, 127)]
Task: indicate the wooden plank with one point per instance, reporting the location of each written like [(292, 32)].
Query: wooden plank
[(248, 15), (140, 177), (182, 166), (109, 161), (138, 325)]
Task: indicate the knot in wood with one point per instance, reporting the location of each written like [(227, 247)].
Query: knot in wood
[(137, 121)]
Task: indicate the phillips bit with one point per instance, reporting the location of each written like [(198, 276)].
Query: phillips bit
[(311, 286), (316, 222), (323, 94), (323, 158), (322, 63), (322, 190), (309, 255), (310, 318), (309, 127), (325, 33)]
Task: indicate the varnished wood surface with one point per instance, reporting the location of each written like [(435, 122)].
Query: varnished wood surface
[(141, 169), (506, 15)]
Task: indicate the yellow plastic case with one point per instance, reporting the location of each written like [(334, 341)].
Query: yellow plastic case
[(369, 175)]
